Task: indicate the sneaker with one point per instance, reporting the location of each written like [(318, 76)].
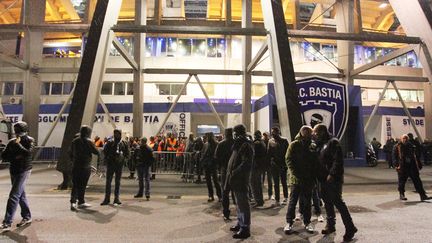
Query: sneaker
[(138, 196), (73, 207), (285, 201), (288, 229), (105, 202), (117, 202), (148, 198), (272, 197), (309, 228), (5, 227), (402, 197), (328, 230), (424, 197), (320, 218), (349, 234), (24, 222), (210, 199), (84, 205), (299, 217)]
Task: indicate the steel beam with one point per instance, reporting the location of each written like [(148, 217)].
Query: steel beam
[(407, 112), (345, 49), (13, 61), (87, 88), (246, 60), (105, 109), (44, 28), (392, 77), (252, 65), (192, 71), (375, 109), (300, 74), (283, 70), (124, 53), (392, 55)]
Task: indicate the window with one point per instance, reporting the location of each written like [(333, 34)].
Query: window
[(170, 89), (211, 47), (175, 89), (45, 90), (164, 89), (19, 88), (67, 88), (9, 88), (56, 88), (173, 3), (107, 88), (119, 88), (172, 47), (199, 47), (130, 90), (184, 47)]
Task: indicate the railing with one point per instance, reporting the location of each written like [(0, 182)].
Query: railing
[(174, 163)]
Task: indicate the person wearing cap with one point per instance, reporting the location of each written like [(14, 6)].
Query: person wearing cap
[(238, 176), (81, 151), (116, 152), (19, 153)]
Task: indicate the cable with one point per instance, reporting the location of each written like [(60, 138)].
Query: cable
[(310, 22)]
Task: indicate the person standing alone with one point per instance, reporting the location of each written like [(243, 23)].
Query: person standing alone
[(19, 153)]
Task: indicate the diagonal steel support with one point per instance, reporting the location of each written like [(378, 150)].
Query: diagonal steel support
[(375, 109), (407, 112), (392, 55), (13, 61), (210, 103), (105, 109), (257, 57), (124, 53), (174, 104)]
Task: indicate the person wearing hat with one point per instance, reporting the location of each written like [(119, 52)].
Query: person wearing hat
[(239, 173), (19, 153), (116, 152)]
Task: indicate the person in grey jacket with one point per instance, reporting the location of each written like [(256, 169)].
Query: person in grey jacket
[(81, 152), (239, 173)]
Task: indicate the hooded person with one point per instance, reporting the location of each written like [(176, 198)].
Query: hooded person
[(81, 151), (116, 153), (302, 163), (19, 153), (258, 168), (238, 177)]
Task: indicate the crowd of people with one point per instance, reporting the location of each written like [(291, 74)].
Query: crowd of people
[(235, 167)]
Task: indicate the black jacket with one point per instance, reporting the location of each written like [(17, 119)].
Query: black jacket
[(144, 156), (240, 164), (260, 158), (223, 153), (116, 153), (331, 160), (207, 158), (19, 154), (404, 157), (81, 151), (276, 150)]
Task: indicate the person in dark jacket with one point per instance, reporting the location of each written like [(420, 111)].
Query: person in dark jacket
[(222, 155), (116, 153), (330, 176), (81, 151), (144, 161), (19, 153), (258, 168), (238, 176), (301, 159), (376, 146), (277, 148), (417, 146), (267, 168), (197, 153), (388, 148), (209, 163), (407, 165)]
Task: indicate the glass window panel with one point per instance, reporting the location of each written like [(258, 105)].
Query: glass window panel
[(210, 89), (45, 88), (9, 88), (161, 47), (119, 88), (175, 89), (150, 43), (173, 3), (221, 47), (107, 88), (199, 47), (211, 47), (184, 47), (130, 90), (172, 47), (164, 89), (56, 88), (19, 88), (67, 88), (259, 90)]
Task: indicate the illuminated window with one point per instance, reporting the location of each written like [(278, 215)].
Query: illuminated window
[(119, 88), (56, 88), (199, 47), (184, 47), (67, 88), (130, 90), (107, 88), (172, 47)]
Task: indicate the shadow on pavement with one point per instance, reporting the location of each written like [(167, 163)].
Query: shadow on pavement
[(197, 230), (327, 239), (16, 235), (297, 235), (137, 209), (96, 216)]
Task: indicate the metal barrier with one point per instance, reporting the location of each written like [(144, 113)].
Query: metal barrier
[(46, 154), (174, 163)]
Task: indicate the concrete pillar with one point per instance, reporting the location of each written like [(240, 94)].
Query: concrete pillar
[(34, 14), (157, 11), (138, 79), (246, 59), (415, 22), (345, 23)]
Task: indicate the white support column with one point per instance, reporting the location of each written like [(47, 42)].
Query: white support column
[(35, 14), (415, 23), (345, 49), (138, 76), (218, 119), (376, 106), (246, 59)]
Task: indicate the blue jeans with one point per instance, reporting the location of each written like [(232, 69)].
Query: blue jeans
[(144, 175), (243, 209), (17, 196)]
